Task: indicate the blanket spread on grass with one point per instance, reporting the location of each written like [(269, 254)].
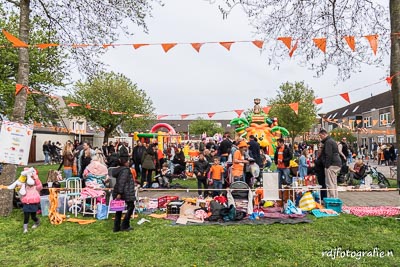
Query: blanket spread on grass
[(384, 211)]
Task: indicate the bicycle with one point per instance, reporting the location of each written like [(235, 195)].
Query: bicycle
[(376, 175)]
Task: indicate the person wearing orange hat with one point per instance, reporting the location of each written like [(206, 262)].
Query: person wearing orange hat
[(239, 162)]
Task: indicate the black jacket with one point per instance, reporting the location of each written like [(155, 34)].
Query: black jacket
[(201, 166), (137, 154), (225, 147), (287, 156), (125, 186), (254, 151), (330, 153)]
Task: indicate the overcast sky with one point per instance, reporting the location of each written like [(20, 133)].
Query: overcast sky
[(183, 81)]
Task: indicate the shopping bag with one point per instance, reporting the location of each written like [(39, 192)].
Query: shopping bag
[(117, 205), (102, 211), (307, 202)]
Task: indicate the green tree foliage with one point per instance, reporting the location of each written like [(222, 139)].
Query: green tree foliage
[(111, 92), (288, 93), (200, 126), (47, 68)]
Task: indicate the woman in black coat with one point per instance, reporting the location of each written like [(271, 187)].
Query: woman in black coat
[(319, 170), (124, 189)]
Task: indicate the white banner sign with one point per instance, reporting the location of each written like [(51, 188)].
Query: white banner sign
[(15, 142)]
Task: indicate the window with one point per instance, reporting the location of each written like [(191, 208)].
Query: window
[(381, 139), (344, 113), (385, 119), (334, 115), (390, 139), (367, 122), (355, 109)]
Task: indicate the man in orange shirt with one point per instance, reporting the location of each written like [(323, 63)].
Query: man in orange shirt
[(239, 162), (282, 158), (216, 172)]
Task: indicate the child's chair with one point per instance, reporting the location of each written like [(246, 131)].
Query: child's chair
[(73, 186)]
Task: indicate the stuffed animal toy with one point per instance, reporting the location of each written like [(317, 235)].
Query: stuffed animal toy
[(27, 177)]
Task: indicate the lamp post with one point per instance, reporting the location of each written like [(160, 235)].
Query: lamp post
[(80, 130), (188, 134)]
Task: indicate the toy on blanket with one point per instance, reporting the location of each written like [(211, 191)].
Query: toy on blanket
[(27, 177)]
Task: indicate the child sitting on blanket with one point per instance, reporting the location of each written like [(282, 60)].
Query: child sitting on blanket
[(165, 176)]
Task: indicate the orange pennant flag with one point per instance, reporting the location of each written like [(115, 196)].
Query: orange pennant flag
[(266, 109), (345, 96), (183, 116), (211, 114), (168, 46), (18, 88), (258, 43), (295, 107), (44, 46), (73, 105), (107, 45), (320, 43), (318, 101), (136, 46), (389, 80), (351, 42), (159, 117), (373, 42), (287, 41), (197, 46), (239, 112), (14, 40), (227, 45), (293, 49)]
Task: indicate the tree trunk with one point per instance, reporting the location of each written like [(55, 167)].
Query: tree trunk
[(395, 68), (107, 132), (9, 173)]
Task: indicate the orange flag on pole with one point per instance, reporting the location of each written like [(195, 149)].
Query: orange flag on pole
[(258, 43), (345, 96), (168, 46), (318, 101), (373, 42), (14, 40), (227, 45), (351, 42), (295, 107), (136, 46), (320, 43), (287, 41), (197, 46)]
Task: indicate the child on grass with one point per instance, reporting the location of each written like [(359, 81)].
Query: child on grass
[(216, 172)]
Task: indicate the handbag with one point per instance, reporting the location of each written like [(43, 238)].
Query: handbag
[(102, 211), (117, 205)]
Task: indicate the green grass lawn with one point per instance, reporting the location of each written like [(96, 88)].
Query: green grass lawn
[(159, 243)]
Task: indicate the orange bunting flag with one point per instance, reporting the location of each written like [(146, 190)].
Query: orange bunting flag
[(351, 42), (136, 46), (295, 107), (258, 43), (389, 80), (168, 46), (293, 49), (44, 46), (239, 112), (227, 45), (320, 43), (18, 88), (184, 116), (318, 101), (107, 45), (197, 46), (266, 109), (373, 42), (211, 114), (345, 96), (159, 117), (73, 105), (14, 40), (287, 41)]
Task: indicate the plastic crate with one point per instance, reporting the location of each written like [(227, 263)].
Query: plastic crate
[(174, 207), (334, 204), (320, 214), (163, 201)]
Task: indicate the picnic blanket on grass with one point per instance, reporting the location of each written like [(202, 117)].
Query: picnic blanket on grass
[(385, 211)]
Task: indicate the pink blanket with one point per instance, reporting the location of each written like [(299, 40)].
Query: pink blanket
[(384, 211), (97, 168)]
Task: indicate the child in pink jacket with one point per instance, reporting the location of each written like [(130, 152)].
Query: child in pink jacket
[(31, 201)]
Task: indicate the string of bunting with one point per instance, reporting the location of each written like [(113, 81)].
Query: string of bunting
[(320, 43)]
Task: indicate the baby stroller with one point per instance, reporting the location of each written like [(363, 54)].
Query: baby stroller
[(242, 195)]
